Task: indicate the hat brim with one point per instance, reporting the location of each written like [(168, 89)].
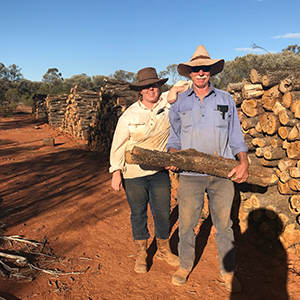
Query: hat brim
[(137, 86), (216, 66)]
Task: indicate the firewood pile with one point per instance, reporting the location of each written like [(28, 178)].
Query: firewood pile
[(81, 109), (56, 108), (269, 110), (115, 97), (39, 106)]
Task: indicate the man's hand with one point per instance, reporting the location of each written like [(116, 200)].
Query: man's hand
[(116, 181), (172, 168), (240, 174)]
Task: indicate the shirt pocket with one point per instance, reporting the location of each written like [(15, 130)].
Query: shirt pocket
[(186, 120), (221, 119), (137, 130)]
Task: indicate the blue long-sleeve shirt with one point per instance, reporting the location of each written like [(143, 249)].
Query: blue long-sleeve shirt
[(212, 127)]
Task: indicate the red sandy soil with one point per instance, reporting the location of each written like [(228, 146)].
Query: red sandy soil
[(63, 193)]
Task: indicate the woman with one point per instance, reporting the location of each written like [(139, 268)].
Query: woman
[(145, 124)]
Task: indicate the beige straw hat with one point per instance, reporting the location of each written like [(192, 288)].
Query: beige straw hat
[(201, 58)]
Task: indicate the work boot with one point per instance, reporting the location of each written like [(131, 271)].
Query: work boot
[(141, 256), (180, 276), (164, 252), (232, 284)]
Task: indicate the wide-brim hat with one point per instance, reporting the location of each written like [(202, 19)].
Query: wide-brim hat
[(147, 76), (201, 58)]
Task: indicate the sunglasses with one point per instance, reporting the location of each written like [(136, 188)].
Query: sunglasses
[(152, 85), (198, 68)]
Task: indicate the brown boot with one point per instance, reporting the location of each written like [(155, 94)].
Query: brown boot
[(164, 252), (180, 276), (141, 256), (231, 283)]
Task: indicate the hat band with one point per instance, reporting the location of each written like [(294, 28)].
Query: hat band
[(200, 57)]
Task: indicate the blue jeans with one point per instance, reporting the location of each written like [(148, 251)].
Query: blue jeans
[(220, 191), (155, 190)]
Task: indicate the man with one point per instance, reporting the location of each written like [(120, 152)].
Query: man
[(206, 119)]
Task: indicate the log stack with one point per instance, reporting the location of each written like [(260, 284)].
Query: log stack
[(56, 107), (115, 97), (269, 111), (81, 109), (39, 106)]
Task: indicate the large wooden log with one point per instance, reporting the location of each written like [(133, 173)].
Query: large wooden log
[(252, 91), (234, 87), (252, 107), (192, 160), (255, 76), (269, 123)]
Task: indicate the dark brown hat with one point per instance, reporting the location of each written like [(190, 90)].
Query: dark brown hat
[(201, 58), (147, 76)]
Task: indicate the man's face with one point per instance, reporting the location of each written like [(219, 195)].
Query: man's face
[(200, 76)]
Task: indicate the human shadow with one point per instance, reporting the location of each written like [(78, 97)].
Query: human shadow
[(261, 259), (173, 239)]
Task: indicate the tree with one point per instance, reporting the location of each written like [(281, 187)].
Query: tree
[(294, 48), (123, 75), (12, 98), (98, 82), (172, 74), (82, 80), (3, 71), (14, 73), (51, 76)]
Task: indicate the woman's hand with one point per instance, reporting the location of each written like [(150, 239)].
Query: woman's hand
[(116, 181), (174, 91)]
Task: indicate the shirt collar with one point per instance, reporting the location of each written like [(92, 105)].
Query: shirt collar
[(211, 90)]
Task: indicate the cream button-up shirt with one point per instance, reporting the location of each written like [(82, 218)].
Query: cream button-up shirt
[(143, 127)]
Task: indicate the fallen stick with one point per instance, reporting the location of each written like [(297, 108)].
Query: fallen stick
[(18, 258), (194, 161), (18, 238)]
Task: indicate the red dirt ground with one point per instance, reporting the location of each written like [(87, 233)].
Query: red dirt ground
[(63, 193)]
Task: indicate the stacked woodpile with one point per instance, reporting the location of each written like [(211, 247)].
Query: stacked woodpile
[(81, 109), (39, 106), (115, 97), (56, 108), (269, 111)]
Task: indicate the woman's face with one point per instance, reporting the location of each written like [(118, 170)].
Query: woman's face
[(150, 94)]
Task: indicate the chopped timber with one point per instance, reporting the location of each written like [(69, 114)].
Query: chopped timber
[(252, 107), (192, 160), (269, 123), (252, 90), (290, 97)]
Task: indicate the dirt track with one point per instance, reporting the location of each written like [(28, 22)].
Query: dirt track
[(63, 193)]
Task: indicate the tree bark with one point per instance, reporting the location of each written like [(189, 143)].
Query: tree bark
[(192, 160)]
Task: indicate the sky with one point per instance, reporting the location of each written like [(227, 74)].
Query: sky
[(97, 37)]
